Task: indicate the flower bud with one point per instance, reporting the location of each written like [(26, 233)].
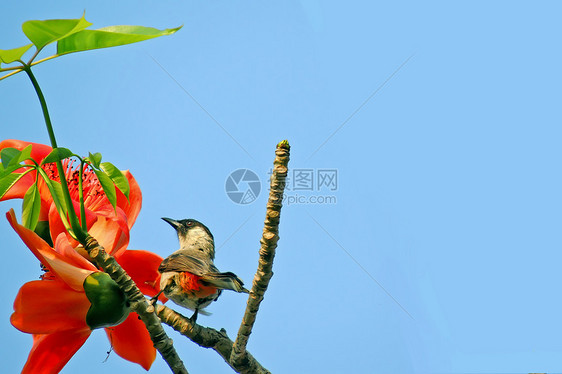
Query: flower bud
[(109, 305)]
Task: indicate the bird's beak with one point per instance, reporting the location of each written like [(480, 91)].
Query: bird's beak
[(175, 224)]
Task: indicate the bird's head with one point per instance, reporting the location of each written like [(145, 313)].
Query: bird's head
[(193, 235)]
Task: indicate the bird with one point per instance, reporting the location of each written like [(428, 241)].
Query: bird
[(188, 276)]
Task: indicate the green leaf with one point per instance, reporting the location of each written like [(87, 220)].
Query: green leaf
[(8, 56), (109, 304), (25, 154), (31, 207), (9, 154), (11, 169), (117, 177), (58, 196), (111, 36), (42, 229), (55, 190), (8, 182), (48, 31), (13, 156), (94, 159), (108, 186), (57, 154)]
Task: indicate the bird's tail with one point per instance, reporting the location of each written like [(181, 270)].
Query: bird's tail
[(225, 281)]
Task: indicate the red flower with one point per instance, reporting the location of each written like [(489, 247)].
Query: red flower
[(54, 309), (110, 227)]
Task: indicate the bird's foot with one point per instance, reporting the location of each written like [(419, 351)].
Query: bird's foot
[(154, 299), (193, 318)]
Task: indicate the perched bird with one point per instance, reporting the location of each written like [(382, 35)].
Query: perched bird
[(188, 276)]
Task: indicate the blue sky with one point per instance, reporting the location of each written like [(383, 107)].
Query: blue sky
[(441, 251)]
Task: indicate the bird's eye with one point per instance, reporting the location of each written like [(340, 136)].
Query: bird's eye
[(190, 223)]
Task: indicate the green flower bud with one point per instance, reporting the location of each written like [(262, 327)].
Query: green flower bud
[(109, 306)]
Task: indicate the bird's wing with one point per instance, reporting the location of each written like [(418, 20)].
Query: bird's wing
[(225, 281), (184, 262)]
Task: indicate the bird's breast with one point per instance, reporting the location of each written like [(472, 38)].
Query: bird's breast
[(185, 289)]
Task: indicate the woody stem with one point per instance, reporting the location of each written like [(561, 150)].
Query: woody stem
[(139, 304), (208, 337), (268, 243)]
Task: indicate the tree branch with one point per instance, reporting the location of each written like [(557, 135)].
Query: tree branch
[(138, 304), (209, 338), (268, 242), (235, 353)]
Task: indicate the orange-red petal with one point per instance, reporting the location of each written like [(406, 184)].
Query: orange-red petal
[(55, 223), (38, 151), (63, 247), (56, 226), (142, 266), (48, 306), (55, 262), (110, 230), (19, 189), (107, 226), (132, 206), (51, 352), (131, 341)]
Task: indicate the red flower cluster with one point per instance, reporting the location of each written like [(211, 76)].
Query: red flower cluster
[(54, 308)]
